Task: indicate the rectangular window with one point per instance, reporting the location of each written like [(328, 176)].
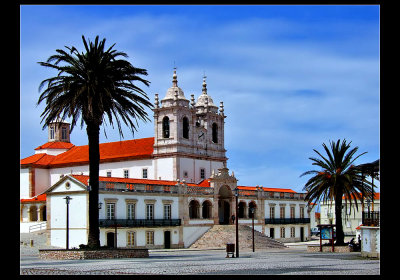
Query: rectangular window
[(108, 173), (282, 212), (130, 239), (149, 211), (144, 173), (110, 211), (51, 132), (64, 133), (149, 237), (282, 232), (272, 212), (167, 211), (292, 212), (131, 211), (126, 173), (202, 173), (302, 212), (292, 231)]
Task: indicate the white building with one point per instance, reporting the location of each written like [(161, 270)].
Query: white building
[(351, 216), (159, 192)]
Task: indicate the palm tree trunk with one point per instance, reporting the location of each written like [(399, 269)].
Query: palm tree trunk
[(338, 215), (94, 161)]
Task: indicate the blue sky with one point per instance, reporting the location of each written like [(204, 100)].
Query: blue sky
[(291, 77)]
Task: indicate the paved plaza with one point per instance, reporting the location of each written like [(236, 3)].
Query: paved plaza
[(291, 261)]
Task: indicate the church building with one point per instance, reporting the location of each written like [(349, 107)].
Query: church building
[(164, 191)]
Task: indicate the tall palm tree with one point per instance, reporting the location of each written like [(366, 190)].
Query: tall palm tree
[(336, 179), (93, 85)]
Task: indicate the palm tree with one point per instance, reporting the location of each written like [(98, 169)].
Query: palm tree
[(337, 179), (93, 85)]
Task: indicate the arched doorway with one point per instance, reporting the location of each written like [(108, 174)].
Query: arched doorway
[(224, 205)]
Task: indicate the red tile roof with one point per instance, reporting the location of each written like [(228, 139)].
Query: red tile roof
[(39, 160), (376, 196), (113, 151), (56, 145), (267, 189), (129, 149), (39, 198), (84, 178)]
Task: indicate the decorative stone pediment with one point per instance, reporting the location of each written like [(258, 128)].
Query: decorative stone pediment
[(222, 178)]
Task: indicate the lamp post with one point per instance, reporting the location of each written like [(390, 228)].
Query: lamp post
[(237, 222), (252, 209), (67, 199)]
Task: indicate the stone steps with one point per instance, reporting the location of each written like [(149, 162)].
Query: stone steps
[(219, 235)]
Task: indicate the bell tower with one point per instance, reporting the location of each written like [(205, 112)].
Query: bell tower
[(59, 131), (188, 136)]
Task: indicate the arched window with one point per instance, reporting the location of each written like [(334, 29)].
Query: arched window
[(33, 215), (185, 128), (207, 210), (194, 208), (215, 133), (43, 213), (252, 205), (165, 126)]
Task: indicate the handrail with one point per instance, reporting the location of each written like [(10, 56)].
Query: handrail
[(138, 222), (40, 226), (287, 221)]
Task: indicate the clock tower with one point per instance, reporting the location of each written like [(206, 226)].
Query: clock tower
[(189, 136)]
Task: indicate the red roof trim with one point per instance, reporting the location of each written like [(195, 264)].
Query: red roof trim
[(39, 198), (56, 145), (83, 179), (112, 151)]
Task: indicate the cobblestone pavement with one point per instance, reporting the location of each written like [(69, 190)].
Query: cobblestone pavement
[(285, 261), (293, 260)]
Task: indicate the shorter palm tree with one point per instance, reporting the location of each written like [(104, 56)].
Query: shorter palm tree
[(336, 180)]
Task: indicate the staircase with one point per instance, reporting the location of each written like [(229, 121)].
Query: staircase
[(219, 235)]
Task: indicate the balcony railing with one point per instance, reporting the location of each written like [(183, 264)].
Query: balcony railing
[(288, 221), (139, 222), (370, 218)]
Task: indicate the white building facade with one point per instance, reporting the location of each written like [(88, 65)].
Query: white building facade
[(351, 215), (158, 192)]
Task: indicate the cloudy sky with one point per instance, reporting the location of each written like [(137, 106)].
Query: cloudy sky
[(291, 77)]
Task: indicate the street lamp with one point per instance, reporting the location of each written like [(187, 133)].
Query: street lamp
[(67, 199), (252, 209), (237, 222), (368, 204)]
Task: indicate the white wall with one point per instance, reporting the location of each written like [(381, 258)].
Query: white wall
[(117, 169), (193, 166), (42, 180), (164, 169), (120, 207), (78, 216), (24, 183)]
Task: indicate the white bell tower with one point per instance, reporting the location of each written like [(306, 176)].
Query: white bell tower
[(188, 138)]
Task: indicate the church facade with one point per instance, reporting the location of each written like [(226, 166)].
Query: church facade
[(158, 192)]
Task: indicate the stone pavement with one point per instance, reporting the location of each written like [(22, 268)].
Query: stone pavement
[(292, 260)]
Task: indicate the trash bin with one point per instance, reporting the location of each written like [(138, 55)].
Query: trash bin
[(230, 249)]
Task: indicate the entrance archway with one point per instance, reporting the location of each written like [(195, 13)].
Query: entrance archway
[(224, 205)]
